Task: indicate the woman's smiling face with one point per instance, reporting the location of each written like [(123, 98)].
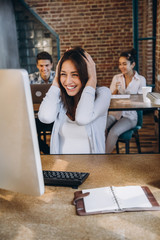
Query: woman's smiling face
[(125, 65), (69, 78)]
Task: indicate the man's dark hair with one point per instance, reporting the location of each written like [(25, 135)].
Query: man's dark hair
[(44, 56)]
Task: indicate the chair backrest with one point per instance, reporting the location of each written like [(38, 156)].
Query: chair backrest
[(140, 118)]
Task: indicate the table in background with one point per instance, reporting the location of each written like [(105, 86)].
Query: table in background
[(52, 216), (135, 102)]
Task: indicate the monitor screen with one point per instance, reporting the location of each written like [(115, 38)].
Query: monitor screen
[(20, 162)]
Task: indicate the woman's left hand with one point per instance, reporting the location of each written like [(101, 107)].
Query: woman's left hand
[(91, 67)]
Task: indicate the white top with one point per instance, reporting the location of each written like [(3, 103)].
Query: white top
[(134, 87), (73, 138), (91, 113)]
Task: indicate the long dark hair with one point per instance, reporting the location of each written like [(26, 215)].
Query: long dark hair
[(76, 55), (130, 55)]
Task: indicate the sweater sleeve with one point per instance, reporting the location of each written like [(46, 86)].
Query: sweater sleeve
[(50, 105), (92, 104)]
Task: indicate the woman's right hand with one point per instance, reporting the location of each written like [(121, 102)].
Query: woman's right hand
[(55, 81), (118, 85)]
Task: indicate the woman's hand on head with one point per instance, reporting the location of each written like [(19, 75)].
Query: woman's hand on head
[(91, 67), (55, 81)]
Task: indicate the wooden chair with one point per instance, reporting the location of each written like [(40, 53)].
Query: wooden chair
[(126, 136)]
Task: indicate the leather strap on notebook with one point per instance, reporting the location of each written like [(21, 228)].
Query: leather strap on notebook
[(79, 197)]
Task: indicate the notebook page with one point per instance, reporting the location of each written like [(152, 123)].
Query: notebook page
[(99, 199), (131, 197)]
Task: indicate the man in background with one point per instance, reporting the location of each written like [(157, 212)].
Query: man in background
[(45, 74)]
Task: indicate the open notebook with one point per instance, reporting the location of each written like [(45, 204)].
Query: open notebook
[(114, 199)]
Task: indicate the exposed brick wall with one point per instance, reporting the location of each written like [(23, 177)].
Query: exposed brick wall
[(158, 48), (92, 25), (145, 27)]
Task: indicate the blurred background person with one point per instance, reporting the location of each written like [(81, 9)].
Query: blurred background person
[(45, 74), (127, 82)]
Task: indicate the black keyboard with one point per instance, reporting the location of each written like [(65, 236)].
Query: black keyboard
[(66, 179)]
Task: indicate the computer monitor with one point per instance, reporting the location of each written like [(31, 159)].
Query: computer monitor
[(20, 162)]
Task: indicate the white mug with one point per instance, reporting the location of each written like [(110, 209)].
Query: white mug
[(145, 90)]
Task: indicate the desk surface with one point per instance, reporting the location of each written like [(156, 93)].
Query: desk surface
[(52, 216), (135, 102)]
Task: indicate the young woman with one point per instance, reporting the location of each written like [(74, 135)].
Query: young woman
[(128, 82), (76, 105)]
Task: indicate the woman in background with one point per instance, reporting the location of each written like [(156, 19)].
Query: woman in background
[(76, 106), (127, 82)]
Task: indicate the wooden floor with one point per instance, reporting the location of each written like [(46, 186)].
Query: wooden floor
[(148, 136)]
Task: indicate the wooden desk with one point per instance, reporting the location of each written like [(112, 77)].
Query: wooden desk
[(53, 217), (135, 102)]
